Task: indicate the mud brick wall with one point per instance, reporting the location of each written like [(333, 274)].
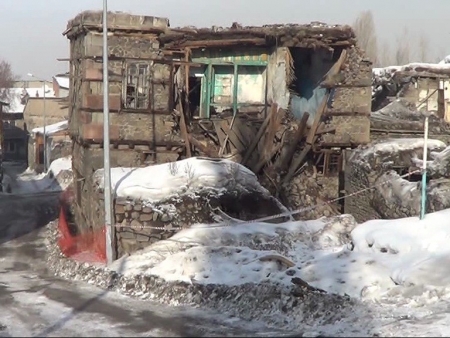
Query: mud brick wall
[(312, 190), (352, 97), (365, 170)]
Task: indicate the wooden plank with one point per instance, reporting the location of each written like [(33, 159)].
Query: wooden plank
[(224, 42), (203, 148), (184, 130), (309, 141), (296, 163), (220, 134), (261, 131), (331, 75), (317, 120), (232, 137), (242, 131), (325, 130), (246, 132), (334, 113), (287, 155), (272, 128), (256, 168)]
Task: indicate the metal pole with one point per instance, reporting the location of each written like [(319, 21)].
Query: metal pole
[(424, 170), (106, 162), (45, 134)]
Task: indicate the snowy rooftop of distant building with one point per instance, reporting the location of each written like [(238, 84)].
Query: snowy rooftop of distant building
[(62, 81), (52, 128), (16, 96)]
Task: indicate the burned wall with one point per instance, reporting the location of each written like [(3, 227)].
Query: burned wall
[(373, 183)]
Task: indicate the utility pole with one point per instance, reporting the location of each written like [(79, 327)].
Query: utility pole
[(44, 113), (423, 206), (106, 155)]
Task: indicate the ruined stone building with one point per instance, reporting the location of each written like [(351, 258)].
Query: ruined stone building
[(401, 93), (140, 99), (259, 94), (272, 98), (391, 167)]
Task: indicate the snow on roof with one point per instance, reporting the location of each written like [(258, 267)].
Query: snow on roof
[(60, 164), (51, 128), (62, 81), (445, 60), (399, 145), (16, 95), (163, 181), (442, 68)]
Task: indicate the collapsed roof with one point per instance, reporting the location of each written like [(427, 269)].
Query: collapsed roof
[(289, 35)]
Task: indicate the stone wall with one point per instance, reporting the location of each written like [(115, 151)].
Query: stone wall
[(140, 223), (349, 111), (393, 196), (60, 148), (312, 190)]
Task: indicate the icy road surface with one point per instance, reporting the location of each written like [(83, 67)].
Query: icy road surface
[(34, 303)]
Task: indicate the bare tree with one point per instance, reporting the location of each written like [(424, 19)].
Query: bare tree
[(403, 51), (440, 55), (423, 51), (385, 57), (7, 78), (364, 27)]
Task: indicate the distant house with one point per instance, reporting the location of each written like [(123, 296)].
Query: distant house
[(56, 112), (2, 105), (15, 133), (61, 85), (58, 144)]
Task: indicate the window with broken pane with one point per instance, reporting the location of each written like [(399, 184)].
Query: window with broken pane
[(136, 86)]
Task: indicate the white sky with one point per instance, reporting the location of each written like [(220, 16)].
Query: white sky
[(31, 38)]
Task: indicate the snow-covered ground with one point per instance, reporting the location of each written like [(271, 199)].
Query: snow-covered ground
[(400, 269), (57, 178)]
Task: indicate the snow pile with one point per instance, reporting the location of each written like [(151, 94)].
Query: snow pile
[(392, 146), (163, 181), (390, 71), (445, 60), (58, 177), (440, 163), (376, 258), (237, 254), (393, 269), (52, 128), (413, 251)]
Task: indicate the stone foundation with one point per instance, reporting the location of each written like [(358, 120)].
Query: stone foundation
[(139, 223), (312, 190)]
